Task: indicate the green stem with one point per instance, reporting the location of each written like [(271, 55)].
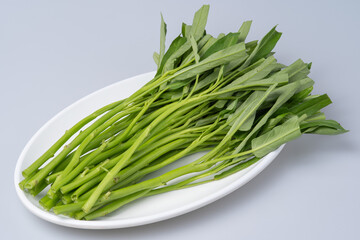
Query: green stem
[(68, 148), (51, 178), (73, 162), (56, 146), (68, 176), (115, 205)]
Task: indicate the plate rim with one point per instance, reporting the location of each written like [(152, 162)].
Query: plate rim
[(132, 222)]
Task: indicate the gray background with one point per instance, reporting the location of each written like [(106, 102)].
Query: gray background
[(55, 52)]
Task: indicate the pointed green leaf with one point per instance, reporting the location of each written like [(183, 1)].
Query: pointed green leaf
[(311, 106), (195, 49), (297, 70), (279, 79), (201, 44), (203, 41), (170, 64), (244, 30), (222, 43), (162, 38), (177, 48), (300, 96), (325, 127), (228, 67), (207, 45), (273, 139), (250, 46), (246, 110), (264, 47), (185, 29), (179, 84), (273, 122), (315, 117), (303, 84), (259, 72), (285, 95), (156, 58), (236, 51), (246, 126), (199, 22), (324, 130)]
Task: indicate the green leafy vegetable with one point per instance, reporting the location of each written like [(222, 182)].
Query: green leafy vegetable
[(222, 96)]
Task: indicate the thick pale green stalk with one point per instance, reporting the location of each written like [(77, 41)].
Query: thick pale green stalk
[(51, 178), (99, 169), (149, 146), (68, 148), (161, 153), (110, 175), (73, 162), (49, 203), (56, 146), (68, 176), (66, 199), (145, 193), (145, 171), (86, 186), (148, 184), (127, 155), (115, 205)]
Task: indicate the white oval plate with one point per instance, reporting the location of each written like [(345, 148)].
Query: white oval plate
[(143, 211)]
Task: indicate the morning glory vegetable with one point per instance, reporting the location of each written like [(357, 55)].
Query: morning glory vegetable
[(221, 95)]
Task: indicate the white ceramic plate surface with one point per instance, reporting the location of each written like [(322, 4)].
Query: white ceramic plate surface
[(140, 212)]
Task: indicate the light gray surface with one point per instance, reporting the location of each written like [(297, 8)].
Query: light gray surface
[(53, 53)]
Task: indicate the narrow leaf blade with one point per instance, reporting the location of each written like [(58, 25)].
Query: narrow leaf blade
[(162, 38), (199, 22), (273, 139), (244, 30)]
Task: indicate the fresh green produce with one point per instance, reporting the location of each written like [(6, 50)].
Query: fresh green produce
[(221, 95)]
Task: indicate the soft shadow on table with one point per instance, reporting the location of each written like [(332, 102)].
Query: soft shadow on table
[(304, 149)]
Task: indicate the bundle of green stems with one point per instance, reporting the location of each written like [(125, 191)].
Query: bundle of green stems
[(222, 96)]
